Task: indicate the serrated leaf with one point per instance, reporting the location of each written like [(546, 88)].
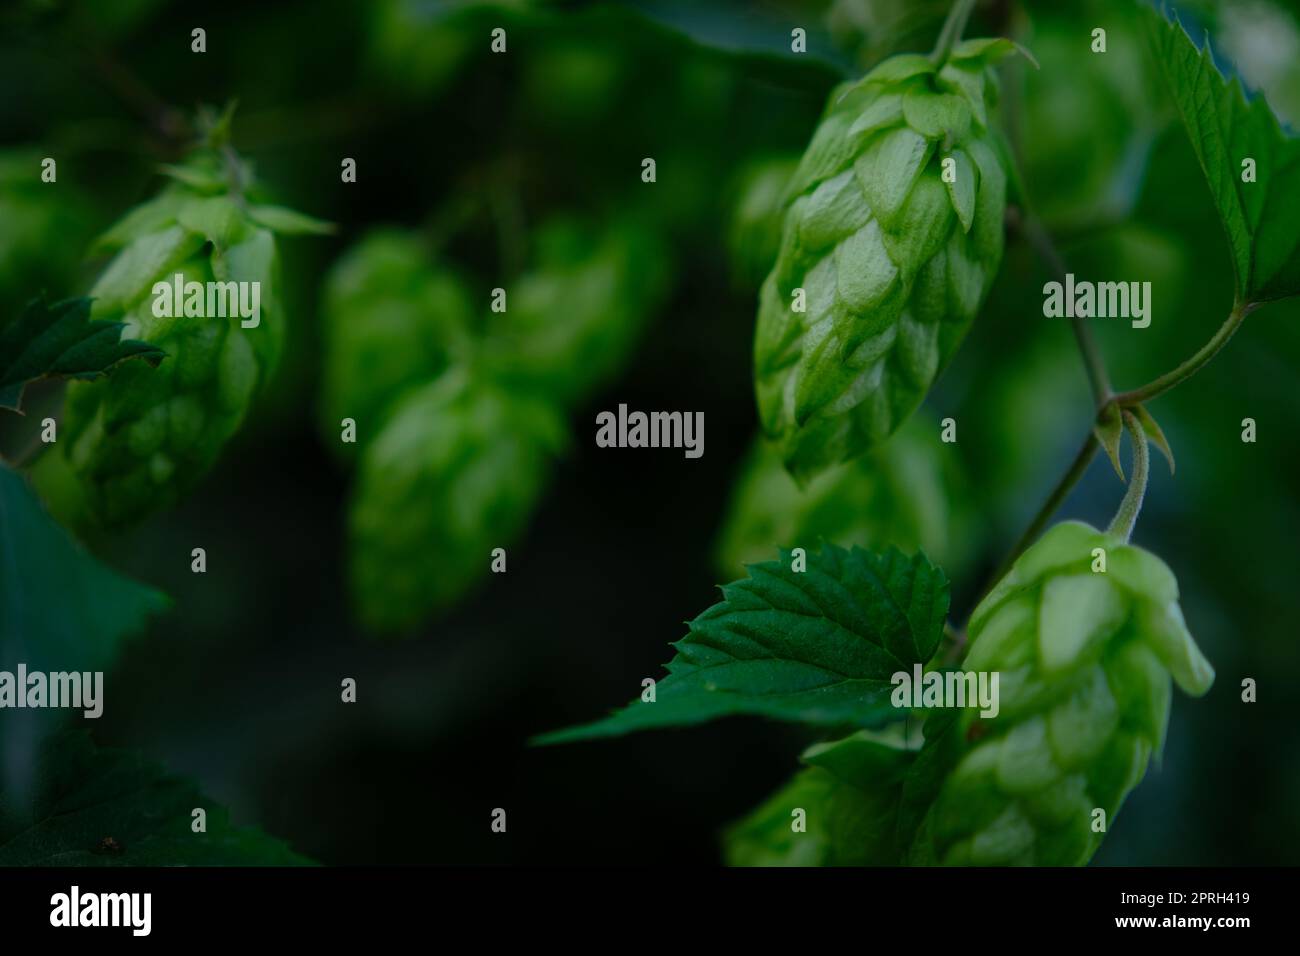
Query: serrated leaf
[(1109, 430), (1260, 218), (816, 647), (1155, 433), (288, 222), (102, 807), (60, 339)]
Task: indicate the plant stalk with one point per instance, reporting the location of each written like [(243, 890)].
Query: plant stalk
[(953, 27), (1126, 517), (1164, 383)]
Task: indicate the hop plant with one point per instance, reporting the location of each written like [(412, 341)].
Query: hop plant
[(1085, 660), (893, 233), (394, 320), (142, 438), (454, 474)]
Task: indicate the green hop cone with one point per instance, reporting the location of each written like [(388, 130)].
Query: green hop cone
[(144, 436), (573, 319), (1085, 661), (893, 234), (454, 474), (394, 320)]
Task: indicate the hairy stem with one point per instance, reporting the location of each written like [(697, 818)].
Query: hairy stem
[(1193, 365), (952, 30), (1126, 517), (1062, 490)]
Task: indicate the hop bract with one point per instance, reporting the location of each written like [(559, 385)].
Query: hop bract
[(893, 233), (1086, 661)]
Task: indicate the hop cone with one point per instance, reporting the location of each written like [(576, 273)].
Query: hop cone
[(454, 474), (1085, 662), (573, 318), (893, 231), (142, 437), (393, 321)]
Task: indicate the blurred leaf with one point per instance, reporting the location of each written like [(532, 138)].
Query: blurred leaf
[(60, 339), (1262, 219), (101, 807), (816, 646), (60, 610), (746, 30)]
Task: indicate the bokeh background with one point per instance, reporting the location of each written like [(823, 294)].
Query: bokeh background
[(238, 684)]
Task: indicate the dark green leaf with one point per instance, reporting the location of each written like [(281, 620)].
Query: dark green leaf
[(60, 610), (1226, 129), (60, 339), (100, 807), (816, 646)]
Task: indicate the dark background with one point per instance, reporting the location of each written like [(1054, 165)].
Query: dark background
[(238, 685)]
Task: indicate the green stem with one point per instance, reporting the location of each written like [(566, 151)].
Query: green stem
[(952, 30), (1054, 501), (1041, 241), (1164, 383), (1126, 517)]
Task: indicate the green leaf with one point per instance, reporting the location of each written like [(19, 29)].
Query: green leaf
[(849, 797), (101, 807), (60, 339), (60, 609), (815, 647), (1226, 129), (287, 222)]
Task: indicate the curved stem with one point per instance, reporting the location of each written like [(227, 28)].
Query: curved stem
[(1062, 490), (1126, 517), (952, 30), (1193, 365)]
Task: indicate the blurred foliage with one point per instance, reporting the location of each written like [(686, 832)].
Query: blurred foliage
[(906, 493), (561, 124)]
